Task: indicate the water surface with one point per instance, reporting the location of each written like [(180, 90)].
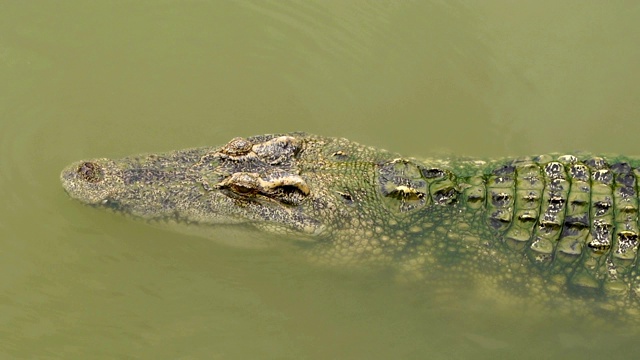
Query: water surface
[(109, 78)]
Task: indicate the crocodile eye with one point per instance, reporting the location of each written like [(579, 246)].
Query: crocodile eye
[(241, 189), (245, 184), (90, 172), (237, 147)]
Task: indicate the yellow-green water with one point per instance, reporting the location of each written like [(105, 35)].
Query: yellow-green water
[(110, 78)]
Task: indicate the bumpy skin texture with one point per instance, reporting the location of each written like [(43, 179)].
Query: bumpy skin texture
[(556, 230)]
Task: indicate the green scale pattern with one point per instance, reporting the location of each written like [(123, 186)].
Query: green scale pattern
[(577, 217)]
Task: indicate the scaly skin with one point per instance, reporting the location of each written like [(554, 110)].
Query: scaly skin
[(555, 230)]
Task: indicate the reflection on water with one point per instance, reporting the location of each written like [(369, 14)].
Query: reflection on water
[(105, 79)]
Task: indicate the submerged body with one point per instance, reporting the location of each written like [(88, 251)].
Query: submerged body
[(561, 231)]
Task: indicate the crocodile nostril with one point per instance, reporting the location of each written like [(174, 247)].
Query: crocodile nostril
[(90, 172)]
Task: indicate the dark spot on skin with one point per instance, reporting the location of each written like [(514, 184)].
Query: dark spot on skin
[(627, 192), (557, 184), (346, 197), (554, 170), (626, 240), (502, 180), (570, 230), (599, 247), (556, 201), (577, 221), (602, 207), (596, 163), (531, 197), (603, 176), (580, 172), (548, 227), (504, 170), (445, 196), (626, 179), (500, 199), (600, 232), (90, 172), (621, 168), (497, 220), (474, 198), (432, 173), (406, 194)]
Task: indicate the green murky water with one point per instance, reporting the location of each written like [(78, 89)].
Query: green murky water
[(87, 79)]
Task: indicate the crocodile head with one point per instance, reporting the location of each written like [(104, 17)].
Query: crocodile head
[(289, 183)]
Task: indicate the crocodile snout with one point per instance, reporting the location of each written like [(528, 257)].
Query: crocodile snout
[(91, 182)]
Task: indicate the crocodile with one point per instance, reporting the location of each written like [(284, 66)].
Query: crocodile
[(556, 229)]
